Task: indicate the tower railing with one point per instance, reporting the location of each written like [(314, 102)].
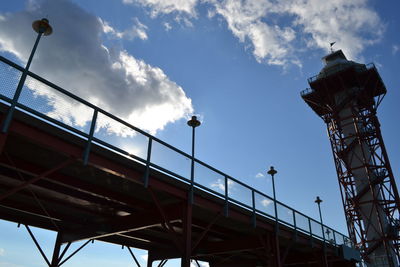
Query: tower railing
[(337, 68), (98, 127)]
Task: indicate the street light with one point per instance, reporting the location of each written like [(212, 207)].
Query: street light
[(272, 172), (193, 122), (318, 201), (42, 27)]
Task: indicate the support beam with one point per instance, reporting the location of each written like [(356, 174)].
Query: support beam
[(187, 234), (56, 252), (3, 139), (37, 178), (240, 244), (37, 245), (166, 221), (287, 250), (84, 189), (124, 224), (276, 247), (150, 259), (64, 251), (133, 256), (76, 251), (162, 263), (204, 233)]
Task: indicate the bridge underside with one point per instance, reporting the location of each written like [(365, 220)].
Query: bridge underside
[(44, 183)]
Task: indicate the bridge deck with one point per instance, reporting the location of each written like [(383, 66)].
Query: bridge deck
[(106, 200), (48, 180)]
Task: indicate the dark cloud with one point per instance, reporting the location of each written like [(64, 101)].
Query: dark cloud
[(75, 58)]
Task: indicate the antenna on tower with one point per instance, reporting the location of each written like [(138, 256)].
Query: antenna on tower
[(331, 45)]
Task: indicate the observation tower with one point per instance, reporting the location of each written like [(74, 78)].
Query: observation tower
[(346, 95)]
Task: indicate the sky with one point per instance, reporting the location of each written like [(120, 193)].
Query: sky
[(239, 65)]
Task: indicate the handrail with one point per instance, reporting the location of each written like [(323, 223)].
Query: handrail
[(149, 163), (340, 68)]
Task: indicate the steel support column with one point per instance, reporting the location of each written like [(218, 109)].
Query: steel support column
[(56, 252), (277, 252), (187, 234), (149, 259)]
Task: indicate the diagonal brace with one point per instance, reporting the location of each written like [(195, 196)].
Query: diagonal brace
[(37, 178), (37, 245), (133, 256), (288, 248), (76, 251), (203, 234), (167, 222)]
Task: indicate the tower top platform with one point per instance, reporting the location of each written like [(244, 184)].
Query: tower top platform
[(340, 75)]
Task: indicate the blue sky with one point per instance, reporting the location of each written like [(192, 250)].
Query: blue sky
[(239, 65)]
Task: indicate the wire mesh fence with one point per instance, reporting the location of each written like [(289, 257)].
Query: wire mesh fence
[(9, 79), (56, 105)]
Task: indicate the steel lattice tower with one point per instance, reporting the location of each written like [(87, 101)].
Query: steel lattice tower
[(346, 95)]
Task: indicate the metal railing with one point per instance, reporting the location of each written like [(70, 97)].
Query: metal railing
[(340, 67), (146, 149), (307, 91)]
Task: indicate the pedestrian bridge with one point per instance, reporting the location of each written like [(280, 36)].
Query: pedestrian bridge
[(86, 182)]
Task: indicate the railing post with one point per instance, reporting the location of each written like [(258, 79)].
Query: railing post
[(89, 141), (334, 236), (311, 234), (254, 219), (294, 224), (226, 207), (147, 172)]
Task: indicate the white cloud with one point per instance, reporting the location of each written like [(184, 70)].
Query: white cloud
[(137, 30), (395, 49), (220, 184), (278, 30), (167, 26), (260, 175), (351, 24), (183, 20), (2, 252), (266, 202), (270, 43), (75, 58), (167, 6)]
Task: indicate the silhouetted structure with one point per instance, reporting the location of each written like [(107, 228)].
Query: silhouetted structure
[(346, 95), (72, 180)]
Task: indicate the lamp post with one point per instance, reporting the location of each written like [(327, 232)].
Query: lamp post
[(193, 122), (318, 201), (272, 172), (42, 27)]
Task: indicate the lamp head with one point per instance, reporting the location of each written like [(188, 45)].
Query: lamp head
[(194, 122), (272, 171), (42, 26)]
